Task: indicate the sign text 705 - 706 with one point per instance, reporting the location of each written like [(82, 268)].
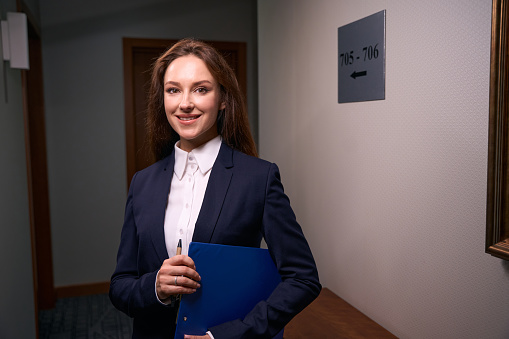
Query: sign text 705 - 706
[(361, 59)]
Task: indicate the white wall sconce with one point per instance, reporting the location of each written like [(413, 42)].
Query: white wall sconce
[(15, 40)]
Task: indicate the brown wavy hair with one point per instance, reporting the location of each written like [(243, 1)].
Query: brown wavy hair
[(233, 123)]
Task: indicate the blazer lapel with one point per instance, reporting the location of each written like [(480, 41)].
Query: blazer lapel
[(217, 187), (161, 189)]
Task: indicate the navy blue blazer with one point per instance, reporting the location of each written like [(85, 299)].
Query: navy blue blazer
[(244, 201)]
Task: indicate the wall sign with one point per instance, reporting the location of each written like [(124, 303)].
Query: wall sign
[(361, 59)]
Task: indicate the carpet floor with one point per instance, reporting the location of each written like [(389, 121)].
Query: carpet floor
[(84, 317)]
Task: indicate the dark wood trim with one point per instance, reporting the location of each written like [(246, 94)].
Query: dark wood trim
[(497, 207), (30, 200), (34, 22), (24, 86), (37, 176), (37, 181), (35, 120), (82, 289)]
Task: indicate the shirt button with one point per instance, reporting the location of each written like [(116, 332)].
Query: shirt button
[(191, 158), (190, 179), (187, 205), (181, 232)]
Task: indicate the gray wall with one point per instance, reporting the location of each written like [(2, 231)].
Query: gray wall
[(392, 193), (83, 79), (17, 312)]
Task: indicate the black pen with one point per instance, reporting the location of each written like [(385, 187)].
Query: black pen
[(179, 252), (179, 247)]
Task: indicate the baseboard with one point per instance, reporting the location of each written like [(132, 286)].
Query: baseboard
[(82, 289)]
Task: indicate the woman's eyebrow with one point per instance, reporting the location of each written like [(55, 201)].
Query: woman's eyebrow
[(176, 83)]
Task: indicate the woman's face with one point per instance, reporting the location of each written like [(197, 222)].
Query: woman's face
[(191, 101)]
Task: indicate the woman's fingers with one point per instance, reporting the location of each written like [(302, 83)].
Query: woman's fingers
[(165, 286), (180, 265), (181, 260), (177, 275), (177, 281)]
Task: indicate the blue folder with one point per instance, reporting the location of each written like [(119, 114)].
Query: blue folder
[(233, 280)]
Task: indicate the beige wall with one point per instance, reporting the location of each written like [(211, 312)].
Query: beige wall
[(391, 194)]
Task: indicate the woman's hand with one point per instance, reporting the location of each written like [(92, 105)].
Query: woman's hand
[(177, 275), (206, 336)]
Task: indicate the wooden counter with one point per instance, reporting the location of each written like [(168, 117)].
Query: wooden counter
[(329, 316)]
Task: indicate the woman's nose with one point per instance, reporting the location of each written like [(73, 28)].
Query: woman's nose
[(186, 104)]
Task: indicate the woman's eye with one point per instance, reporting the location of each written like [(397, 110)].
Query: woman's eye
[(171, 90), (202, 90)]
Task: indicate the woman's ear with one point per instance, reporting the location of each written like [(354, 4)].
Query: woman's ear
[(222, 106)]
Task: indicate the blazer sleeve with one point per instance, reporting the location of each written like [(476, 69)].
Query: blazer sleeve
[(293, 258), (132, 286)]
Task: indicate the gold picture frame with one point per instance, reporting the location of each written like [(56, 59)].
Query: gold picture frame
[(497, 209)]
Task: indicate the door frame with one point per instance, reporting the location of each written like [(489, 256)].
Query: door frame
[(37, 171)]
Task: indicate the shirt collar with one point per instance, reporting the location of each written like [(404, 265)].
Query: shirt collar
[(205, 156)]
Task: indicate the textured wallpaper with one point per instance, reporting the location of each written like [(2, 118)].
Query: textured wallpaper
[(391, 194)]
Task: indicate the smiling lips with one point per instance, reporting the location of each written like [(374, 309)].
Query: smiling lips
[(188, 118)]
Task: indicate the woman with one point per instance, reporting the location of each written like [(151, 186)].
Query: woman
[(206, 186)]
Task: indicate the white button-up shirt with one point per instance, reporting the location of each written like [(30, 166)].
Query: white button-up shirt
[(190, 177)]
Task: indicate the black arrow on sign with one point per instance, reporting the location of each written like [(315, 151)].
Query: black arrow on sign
[(358, 74)]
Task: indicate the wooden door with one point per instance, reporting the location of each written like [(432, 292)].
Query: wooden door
[(139, 55)]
